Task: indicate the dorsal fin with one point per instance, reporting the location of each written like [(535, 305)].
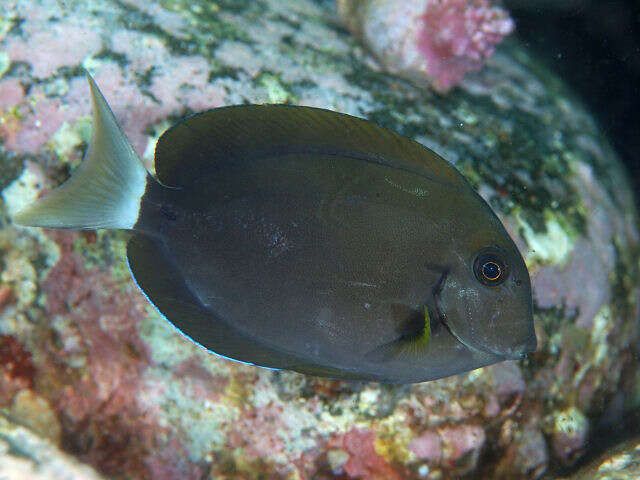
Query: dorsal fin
[(235, 132)]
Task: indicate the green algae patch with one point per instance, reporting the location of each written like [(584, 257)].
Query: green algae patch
[(11, 166), (625, 279), (205, 16), (102, 249), (553, 245), (7, 22), (5, 63), (277, 91)]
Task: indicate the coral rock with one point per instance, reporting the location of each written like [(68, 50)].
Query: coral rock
[(619, 463), (438, 41), (427, 446), (364, 461), (570, 431), (135, 399), (34, 412), (461, 446), (16, 368), (25, 456)]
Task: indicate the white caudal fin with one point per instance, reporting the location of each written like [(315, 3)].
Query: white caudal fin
[(104, 191)]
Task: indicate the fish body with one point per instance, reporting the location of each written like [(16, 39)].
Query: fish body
[(304, 239)]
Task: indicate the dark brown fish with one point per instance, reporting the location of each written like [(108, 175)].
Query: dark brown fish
[(304, 239)]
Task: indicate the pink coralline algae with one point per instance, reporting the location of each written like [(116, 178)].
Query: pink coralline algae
[(258, 432), (364, 462), (462, 446), (35, 122), (458, 35), (53, 48), (434, 40), (427, 446), (11, 93), (104, 421), (31, 112)]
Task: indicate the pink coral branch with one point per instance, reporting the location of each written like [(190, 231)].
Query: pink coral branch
[(456, 36)]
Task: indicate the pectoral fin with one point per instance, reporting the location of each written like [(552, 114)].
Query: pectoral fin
[(414, 337)]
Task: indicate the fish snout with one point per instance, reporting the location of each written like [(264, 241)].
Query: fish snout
[(521, 351)]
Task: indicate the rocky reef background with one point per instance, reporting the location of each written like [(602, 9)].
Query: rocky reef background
[(595, 47), (94, 382)]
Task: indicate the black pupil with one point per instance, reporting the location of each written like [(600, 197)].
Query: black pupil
[(491, 270)]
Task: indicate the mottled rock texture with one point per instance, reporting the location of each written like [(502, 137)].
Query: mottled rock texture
[(25, 456), (117, 387)]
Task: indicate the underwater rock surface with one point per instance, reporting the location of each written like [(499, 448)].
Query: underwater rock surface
[(25, 456), (116, 386), (620, 463)]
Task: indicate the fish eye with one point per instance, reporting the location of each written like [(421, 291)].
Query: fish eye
[(491, 267)]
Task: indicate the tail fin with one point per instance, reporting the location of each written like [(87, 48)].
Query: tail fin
[(104, 191)]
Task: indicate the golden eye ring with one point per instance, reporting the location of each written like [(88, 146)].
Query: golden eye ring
[(491, 271)]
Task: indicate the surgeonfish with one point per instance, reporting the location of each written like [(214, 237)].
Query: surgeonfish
[(298, 238)]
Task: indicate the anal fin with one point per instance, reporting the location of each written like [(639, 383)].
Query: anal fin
[(162, 282)]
